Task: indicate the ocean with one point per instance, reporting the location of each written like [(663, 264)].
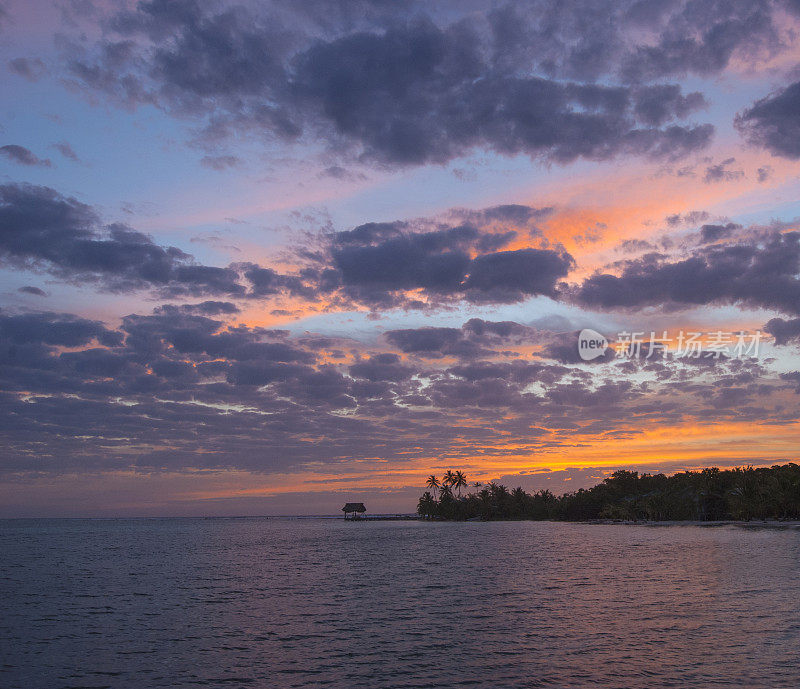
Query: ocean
[(323, 603)]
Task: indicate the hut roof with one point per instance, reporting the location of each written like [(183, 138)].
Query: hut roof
[(354, 507)]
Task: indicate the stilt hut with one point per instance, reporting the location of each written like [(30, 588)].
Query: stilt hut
[(354, 508)]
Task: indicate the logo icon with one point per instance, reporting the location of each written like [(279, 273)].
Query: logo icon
[(591, 344)]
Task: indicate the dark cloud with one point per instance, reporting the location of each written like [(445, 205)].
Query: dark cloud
[(54, 329), (564, 349), (430, 341), (380, 367), (375, 264), (205, 308), (31, 69), (21, 155), (721, 172), (512, 213), (491, 330), (517, 372), (634, 245), (783, 330), (702, 38), (29, 289), (67, 151), (691, 218), (713, 233), (509, 276), (341, 173), (762, 272), (656, 105), (376, 261), (221, 396), (194, 335), (40, 229), (774, 122), (477, 337), (419, 94), (268, 282), (511, 79)]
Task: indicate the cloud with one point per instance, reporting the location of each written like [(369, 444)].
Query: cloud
[(509, 276), (219, 163), (765, 173), (721, 173), (702, 39), (222, 396), (205, 308), (713, 233), (67, 151), (563, 348), (21, 155), (656, 105), (783, 330), (31, 69), (478, 328), (385, 258), (415, 264), (477, 337), (761, 271), (343, 174), (266, 282), (410, 92), (436, 342), (630, 246), (380, 367), (29, 289), (774, 122), (690, 218), (42, 230), (54, 329), (417, 94), (377, 262)]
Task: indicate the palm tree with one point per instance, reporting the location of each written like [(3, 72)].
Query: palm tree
[(449, 478), (426, 505), (459, 481), (433, 483)]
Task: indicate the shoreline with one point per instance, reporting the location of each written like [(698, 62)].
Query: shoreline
[(792, 524), (752, 524)]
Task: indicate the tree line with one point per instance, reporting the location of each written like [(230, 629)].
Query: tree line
[(708, 495)]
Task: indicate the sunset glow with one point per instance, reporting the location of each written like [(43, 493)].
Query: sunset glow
[(288, 260)]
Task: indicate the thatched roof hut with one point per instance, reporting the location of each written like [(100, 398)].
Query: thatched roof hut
[(353, 508)]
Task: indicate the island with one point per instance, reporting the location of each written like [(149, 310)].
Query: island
[(707, 495)]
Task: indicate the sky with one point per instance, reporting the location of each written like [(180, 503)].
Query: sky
[(266, 258)]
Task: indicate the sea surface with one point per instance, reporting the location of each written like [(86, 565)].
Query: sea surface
[(323, 603)]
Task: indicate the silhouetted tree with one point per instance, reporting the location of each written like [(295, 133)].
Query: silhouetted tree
[(433, 483), (459, 481), (710, 494)]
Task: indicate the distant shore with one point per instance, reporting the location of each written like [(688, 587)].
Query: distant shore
[(386, 518), (752, 524), (766, 495)]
